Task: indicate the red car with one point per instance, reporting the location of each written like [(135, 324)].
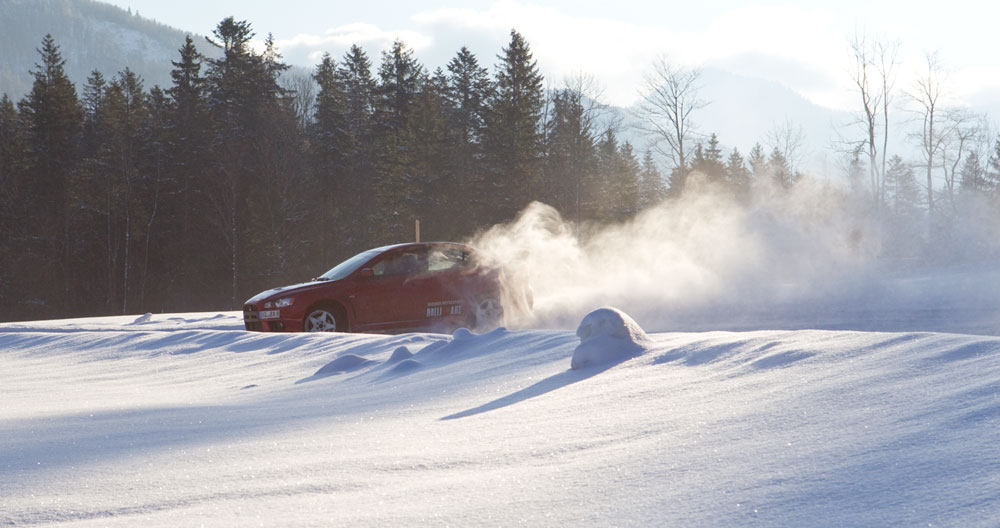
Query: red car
[(434, 286)]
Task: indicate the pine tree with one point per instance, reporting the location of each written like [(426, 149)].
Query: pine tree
[(188, 147), (569, 182), (757, 163), (246, 104), (53, 121), (329, 121), (651, 188), (330, 146), (605, 193), (628, 182), (618, 179), (189, 106), (512, 135), (11, 161), (737, 175), (127, 115), (430, 187), (904, 197), (708, 160), (91, 257), (904, 193), (54, 118), (401, 80), (93, 96), (359, 93), (358, 144), (111, 197), (973, 176), (281, 188), (468, 88), (159, 261), (780, 172), (11, 154)]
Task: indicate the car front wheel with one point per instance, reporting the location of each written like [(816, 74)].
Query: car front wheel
[(323, 319)]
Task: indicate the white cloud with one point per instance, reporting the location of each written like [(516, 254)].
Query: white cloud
[(342, 37)]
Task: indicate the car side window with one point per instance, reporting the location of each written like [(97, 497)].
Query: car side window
[(408, 263), (447, 259)]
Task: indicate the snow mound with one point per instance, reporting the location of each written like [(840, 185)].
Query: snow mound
[(345, 363), (461, 334), (145, 318), (405, 366), (608, 335), (400, 354)]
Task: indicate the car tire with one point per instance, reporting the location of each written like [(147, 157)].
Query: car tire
[(487, 312), (324, 318)]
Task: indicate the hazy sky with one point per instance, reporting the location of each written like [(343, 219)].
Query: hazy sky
[(802, 45)]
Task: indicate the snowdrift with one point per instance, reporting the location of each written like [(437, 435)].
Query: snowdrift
[(608, 335), (186, 419)]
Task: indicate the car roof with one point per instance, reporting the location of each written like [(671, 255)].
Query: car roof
[(421, 245)]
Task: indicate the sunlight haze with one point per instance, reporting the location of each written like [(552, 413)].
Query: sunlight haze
[(804, 47)]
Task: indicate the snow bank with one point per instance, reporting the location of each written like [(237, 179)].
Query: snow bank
[(189, 420), (608, 335)]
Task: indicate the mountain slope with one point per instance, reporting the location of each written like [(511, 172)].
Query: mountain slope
[(91, 35)]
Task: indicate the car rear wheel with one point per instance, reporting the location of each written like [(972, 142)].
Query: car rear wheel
[(324, 318), (487, 312)]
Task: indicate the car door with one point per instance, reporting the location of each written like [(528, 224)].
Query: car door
[(417, 293), (385, 300), (444, 287)]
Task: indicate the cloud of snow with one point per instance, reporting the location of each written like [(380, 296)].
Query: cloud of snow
[(704, 259)]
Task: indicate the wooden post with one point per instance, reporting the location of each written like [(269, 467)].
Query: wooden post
[(418, 230)]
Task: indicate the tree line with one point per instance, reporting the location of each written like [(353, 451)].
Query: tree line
[(241, 175), (122, 199)]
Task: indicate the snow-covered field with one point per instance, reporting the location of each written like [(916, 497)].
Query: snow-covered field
[(186, 420)]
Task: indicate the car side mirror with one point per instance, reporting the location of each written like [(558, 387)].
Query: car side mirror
[(366, 273)]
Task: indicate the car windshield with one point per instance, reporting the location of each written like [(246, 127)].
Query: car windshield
[(348, 266)]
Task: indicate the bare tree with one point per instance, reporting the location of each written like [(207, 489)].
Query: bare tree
[(983, 144), (962, 133), (302, 91), (927, 93), (669, 97), (887, 55), (787, 138), (596, 113), (874, 62)]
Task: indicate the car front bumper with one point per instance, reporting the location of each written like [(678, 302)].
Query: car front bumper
[(267, 320)]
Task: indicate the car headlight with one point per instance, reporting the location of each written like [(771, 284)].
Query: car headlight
[(283, 302)]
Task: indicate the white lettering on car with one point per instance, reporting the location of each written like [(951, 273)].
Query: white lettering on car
[(436, 308)]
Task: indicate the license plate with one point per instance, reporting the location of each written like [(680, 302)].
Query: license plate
[(270, 314)]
